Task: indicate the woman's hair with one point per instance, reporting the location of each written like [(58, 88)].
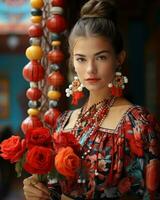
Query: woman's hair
[(98, 18)]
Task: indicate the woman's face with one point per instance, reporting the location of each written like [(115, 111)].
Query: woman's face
[(94, 61)]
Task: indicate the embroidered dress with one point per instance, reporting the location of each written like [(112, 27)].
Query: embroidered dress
[(127, 159)]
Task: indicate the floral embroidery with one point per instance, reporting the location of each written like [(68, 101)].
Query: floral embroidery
[(124, 155)]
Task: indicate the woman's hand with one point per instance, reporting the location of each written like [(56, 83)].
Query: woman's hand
[(35, 190)]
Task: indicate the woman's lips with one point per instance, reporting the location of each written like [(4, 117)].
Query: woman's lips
[(92, 80)]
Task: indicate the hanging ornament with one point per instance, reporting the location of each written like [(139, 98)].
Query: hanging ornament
[(33, 94), (56, 23), (51, 116), (38, 4), (56, 56), (55, 79), (75, 90), (35, 30), (118, 84), (59, 3), (30, 123), (33, 71), (45, 60)]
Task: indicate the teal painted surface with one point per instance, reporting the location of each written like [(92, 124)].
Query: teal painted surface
[(11, 67)]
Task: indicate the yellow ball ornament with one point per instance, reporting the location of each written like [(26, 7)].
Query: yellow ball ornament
[(56, 43), (34, 52), (54, 95), (36, 19), (33, 112), (37, 3)]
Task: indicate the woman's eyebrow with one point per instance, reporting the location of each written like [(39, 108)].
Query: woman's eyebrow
[(77, 54), (104, 51)]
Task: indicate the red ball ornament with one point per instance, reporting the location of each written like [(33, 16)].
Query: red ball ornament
[(56, 56), (35, 30), (30, 123), (55, 79), (56, 23), (59, 3), (51, 116), (33, 94), (33, 71)]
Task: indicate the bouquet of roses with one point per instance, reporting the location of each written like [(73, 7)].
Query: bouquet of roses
[(49, 156)]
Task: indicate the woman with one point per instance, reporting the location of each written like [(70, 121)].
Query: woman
[(120, 140)]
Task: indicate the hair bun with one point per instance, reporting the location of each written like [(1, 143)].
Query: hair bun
[(100, 8)]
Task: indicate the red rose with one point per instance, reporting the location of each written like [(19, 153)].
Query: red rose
[(38, 137), (67, 162), (64, 140), (39, 160), (12, 148)]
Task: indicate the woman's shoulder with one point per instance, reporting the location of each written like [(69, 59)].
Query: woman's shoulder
[(70, 112), (137, 113), (66, 116)]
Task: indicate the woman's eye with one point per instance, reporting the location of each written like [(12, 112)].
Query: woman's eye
[(80, 59), (101, 57)]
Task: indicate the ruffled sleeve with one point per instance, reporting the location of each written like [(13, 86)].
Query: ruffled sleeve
[(142, 133)]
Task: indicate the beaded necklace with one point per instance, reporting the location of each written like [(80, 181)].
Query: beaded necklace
[(92, 118), (87, 124)]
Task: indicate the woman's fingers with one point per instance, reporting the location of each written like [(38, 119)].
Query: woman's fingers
[(41, 187), (34, 189), (30, 197)]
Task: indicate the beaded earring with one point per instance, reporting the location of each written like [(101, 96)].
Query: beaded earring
[(75, 90), (117, 85)]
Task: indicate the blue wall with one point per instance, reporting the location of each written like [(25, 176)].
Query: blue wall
[(11, 66)]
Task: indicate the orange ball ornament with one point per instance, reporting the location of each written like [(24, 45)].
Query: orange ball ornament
[(37, 3), (36, 19), (54, 95), (34, 52), (33, 112)]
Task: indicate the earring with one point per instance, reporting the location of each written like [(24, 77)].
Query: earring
[(117, 85), (75, 90)]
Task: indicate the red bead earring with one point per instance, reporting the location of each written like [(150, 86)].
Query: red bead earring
[(118, 84), (75, 90)]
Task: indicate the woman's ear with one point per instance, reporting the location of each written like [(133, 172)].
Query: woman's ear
[(121, 58)]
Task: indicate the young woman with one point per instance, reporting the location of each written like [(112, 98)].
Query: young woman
[(121, 141)]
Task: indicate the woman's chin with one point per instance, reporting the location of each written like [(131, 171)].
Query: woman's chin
[(95, 88)]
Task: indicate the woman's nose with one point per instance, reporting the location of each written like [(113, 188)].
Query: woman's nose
[(91, 67)]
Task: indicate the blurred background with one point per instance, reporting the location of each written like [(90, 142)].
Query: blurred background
[(139, 22)]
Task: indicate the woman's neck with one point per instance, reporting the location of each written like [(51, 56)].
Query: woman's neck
[(96, 97)]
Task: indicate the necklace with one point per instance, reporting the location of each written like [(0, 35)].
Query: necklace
[(87, 124), (84, 114), (93, 117)]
